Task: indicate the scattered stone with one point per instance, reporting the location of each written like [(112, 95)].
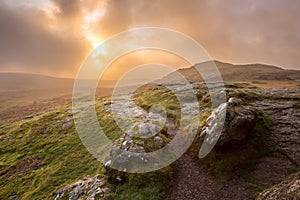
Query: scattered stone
[(119, 179), (107, 103), (6, 138), (88, 188), (28, 117), (67, 123), (124, 152), (13, 197), (47, 130), (159, 141)]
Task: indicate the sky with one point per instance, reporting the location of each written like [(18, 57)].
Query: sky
[(54, 37)]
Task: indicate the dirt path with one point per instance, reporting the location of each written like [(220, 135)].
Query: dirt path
[(193, 183)]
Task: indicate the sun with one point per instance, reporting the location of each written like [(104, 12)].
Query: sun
[(89, 18), (93, 39)]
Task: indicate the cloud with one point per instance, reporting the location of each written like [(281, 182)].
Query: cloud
[(233, 31), (28, 43), (51, 37), (68, 8)]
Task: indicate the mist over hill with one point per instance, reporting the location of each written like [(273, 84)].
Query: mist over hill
[(22, 81), (19, 81), (229, 72)]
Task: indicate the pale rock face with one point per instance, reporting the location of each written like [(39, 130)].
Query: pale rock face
[(236, 127)]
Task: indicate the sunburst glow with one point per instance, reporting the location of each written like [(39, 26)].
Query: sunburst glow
[(94, 40), (89, 18)]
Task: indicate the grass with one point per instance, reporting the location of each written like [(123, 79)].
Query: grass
[(147, 97), (64, 159), (149, 186)]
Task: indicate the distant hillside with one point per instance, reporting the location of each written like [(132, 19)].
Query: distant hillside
[(232, 72), (18, 81), (21, 82), (229, 72)]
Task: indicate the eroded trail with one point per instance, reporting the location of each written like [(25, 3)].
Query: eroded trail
[(190, 182)]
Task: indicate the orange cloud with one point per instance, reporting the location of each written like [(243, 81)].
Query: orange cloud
[(54, 37)]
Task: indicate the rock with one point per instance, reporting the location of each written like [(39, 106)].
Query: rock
[(159, 141), (88, 188), (107, 103), (285, 135), (28, 117), (119, 178), (6, 138), (124, 146), (108, 163), (46, 130), (287, 189), (234, 101), (13, 197), (143, 130), (239, 127), (67, 123), (239, 122), (124, 152), (220, 95)]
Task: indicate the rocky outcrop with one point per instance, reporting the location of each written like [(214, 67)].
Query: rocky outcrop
[(129, 151), (285, 135), (123, 153), (239, 123), (289, 189), (88, 188)]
